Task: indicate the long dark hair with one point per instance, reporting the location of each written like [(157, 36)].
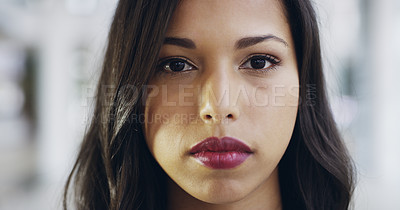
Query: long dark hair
[(115, 169)]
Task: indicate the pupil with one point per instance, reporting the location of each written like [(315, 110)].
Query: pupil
[(257, 63), (177, 65)]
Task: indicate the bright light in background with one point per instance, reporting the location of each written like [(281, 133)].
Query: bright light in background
[(50, 54), (50, 51), (81, 7), (11, 72), (362, 58)]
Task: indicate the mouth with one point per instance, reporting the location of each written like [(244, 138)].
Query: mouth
[(224, 153)]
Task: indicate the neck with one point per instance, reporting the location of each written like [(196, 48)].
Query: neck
[(265, 197)]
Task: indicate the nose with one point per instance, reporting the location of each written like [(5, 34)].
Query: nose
[(212, 115), (217, 103)]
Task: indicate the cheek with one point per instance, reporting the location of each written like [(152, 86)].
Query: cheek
[(274, 129), (166, 123), (273, 120)]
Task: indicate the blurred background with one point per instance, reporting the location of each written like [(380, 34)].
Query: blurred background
[(50, 56)]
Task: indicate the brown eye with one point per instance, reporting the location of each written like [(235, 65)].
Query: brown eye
[(176, 65), (260, 62)]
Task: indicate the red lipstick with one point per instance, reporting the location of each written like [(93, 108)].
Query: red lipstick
[(224, 153)]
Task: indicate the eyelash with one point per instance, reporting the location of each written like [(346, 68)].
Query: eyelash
[(274, 61), (163, 62)]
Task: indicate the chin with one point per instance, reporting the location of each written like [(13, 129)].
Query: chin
[(222, 193), (223, 200)]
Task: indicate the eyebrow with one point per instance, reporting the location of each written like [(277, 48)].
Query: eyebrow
[(240, 44), (182, 42), (250, 41)]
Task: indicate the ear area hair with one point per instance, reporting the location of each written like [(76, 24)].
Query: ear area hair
[(114, 169), (316, 160)]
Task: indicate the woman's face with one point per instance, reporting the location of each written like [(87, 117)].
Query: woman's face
[(227, 70)]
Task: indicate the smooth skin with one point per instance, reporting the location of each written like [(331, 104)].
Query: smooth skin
[(218, 92)]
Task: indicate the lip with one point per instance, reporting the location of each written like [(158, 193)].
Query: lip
[(224, 153)]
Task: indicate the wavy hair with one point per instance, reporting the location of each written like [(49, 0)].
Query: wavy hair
[(115, 169)]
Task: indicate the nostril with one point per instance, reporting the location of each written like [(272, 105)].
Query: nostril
[(208, 117), (229, 116)]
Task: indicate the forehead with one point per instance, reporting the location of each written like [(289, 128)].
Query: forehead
[(215, 18)]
